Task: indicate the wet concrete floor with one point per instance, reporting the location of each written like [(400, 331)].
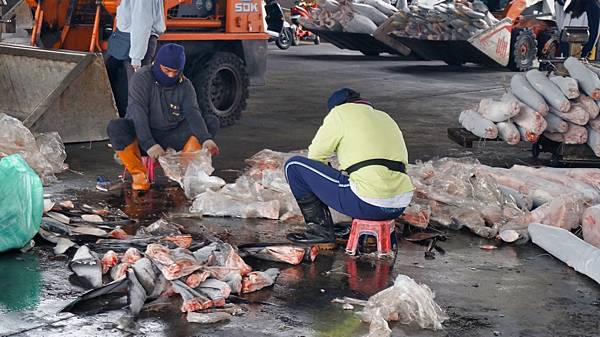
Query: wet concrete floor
[(510, 291)]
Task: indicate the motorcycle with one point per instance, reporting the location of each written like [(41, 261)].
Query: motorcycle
[(278, 29), (302, 9)]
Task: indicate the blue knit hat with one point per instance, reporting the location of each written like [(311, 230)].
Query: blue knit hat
[(171, 55), (342, 96)]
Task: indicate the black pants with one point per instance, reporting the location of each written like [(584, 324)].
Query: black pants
[(120, 71), (593, 14), (121, 133)]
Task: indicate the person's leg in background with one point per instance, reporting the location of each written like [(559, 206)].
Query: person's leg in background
[(593, 14), (118, 81), (119, 73), (150, 52)]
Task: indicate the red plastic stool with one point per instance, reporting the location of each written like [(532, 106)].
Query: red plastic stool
[(383, 231), (150, 166)]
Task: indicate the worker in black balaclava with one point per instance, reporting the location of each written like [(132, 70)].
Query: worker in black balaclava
[(162, 113)]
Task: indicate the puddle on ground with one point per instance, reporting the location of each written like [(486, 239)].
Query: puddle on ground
[(20, 281)]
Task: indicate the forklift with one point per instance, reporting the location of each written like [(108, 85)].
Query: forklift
[(59, 82)]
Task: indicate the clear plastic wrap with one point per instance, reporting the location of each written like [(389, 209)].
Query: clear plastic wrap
[(417, 214), (451, 181), (405, 302), (275, 180), (564, 211), (197, 181), (591, 193), (192, 170), (243, 189), (262, 192), (590, 224), (269, 159), (15, 138), (53, 149), (590, 176), (538, 189), (222, 205)]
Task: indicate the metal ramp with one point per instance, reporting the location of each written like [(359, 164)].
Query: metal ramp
[(56, 90)]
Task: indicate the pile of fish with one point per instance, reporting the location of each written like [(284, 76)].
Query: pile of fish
[(66, 223), (497, 202), (44, 152), (447, 20), (147, 269), (562, 109), (352, 16)]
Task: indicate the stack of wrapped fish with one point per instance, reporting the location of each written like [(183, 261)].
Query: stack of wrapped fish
[(448, 20), (452, 193), (562, 109), (497, 202), (352, 16)]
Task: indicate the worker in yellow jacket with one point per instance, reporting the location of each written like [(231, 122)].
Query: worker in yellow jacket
[(373, 185)]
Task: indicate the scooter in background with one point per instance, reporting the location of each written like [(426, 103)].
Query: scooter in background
[(302, 9), (278, 29)]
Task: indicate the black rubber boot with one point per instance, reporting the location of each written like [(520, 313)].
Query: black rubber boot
[(320, 225)]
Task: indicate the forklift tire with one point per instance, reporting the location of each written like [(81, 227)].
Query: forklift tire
[(221, 85), (523, 51)]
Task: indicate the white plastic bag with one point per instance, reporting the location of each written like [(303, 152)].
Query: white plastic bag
[(567, 247), (53, 149), (191, 170), (407, 302), (197, 181), (219, 204), (15, 138)]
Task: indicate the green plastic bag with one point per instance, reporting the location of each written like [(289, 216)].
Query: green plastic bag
[(21, 203)]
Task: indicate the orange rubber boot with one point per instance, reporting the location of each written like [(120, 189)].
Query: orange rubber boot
[(192, 145), (132, 159)]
